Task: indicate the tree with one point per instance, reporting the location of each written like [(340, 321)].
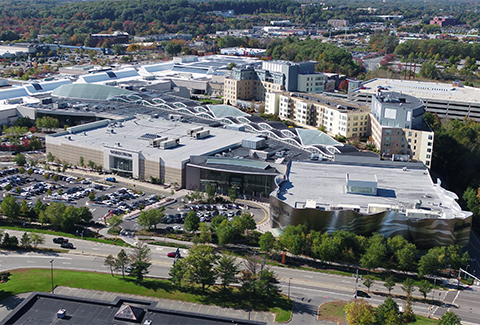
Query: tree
[(201, 262), (243, 223), (425, 288), (227, 270), (140, 259), (450, 318), (205, 233), (178, 272), (25, 241), (293, 239), (265, 284), (122, 261), (115, 221), (375, 253), (211, 191), (389, 284), (217, 221), (429, 70), (192, 221), (10, 207), (110, 262), (388, 313), (267, 242), (81, 161), (225, 233), (368, 281), (232, 194), (20, 159), (37, 239), (118, 49), (150, 218), (430, 262), (409, 288), (91, 164), (359, 312), (91, 196), (405, 253), (173, 48)]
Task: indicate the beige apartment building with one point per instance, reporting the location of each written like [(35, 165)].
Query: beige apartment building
[(334, 116)]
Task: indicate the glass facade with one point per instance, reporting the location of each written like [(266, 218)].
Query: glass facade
[(122, 166), (259, 186)]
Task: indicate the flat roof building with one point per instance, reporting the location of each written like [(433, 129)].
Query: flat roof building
[(446, 100), (366, 196)]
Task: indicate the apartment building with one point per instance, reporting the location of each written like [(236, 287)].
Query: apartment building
[(249, 83), (334, 115), (398, 127)]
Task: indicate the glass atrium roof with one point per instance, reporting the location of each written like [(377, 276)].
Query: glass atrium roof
[(89, 91)]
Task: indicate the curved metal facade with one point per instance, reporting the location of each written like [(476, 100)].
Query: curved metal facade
[(425, 233)]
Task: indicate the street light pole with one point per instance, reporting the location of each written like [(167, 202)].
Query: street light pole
[(289, 288), (82, 241), (51, 271)]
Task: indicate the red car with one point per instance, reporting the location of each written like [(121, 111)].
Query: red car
[(173, 254)]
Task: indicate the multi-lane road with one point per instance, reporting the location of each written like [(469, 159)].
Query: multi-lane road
[(308, 289)]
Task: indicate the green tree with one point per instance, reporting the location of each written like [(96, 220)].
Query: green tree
[(265, 285), (118, 49), (227, 269), (150, 218), (211, 191), (201, 262), (408, 287), (91, 196), (140, 259), (115, 221), (37, 239), (388, 313), (232, 194), (375, 254), (267, 242), (178, 272), (55, 178), (122, 261), (110, 262), (294, 239), (217, 221), (359, 312), (405, 253), (425, 288), (25, 241), (29, 172), (389, 284), (205, 233), (450, 318), (81, 161), (429, 70), (173, 48), (430, 263), (192, 222), (225, 233), (20, 159), (10, 207), (368, 281)]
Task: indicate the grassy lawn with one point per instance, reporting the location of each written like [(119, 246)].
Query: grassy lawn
[(332, 311), (27, 280)]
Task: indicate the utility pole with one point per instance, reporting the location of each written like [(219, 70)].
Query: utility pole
[(51, 269)]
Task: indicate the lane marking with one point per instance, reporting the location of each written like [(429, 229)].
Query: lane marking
[(453, 302)]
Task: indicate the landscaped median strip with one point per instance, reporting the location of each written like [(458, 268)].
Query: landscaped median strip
[(28, 280)]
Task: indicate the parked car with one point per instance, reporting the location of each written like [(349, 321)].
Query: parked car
[(67, 245), (60, 240)]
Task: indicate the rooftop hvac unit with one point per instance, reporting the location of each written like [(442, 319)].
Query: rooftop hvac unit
[(152, 77), (170, 143), (156, 142), (253, 143), (202, 134), (190, 132), (111, 83)]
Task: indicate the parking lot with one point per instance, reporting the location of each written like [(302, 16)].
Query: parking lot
[(72, 190)]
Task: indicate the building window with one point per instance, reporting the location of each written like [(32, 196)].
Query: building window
[(430, 137)]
